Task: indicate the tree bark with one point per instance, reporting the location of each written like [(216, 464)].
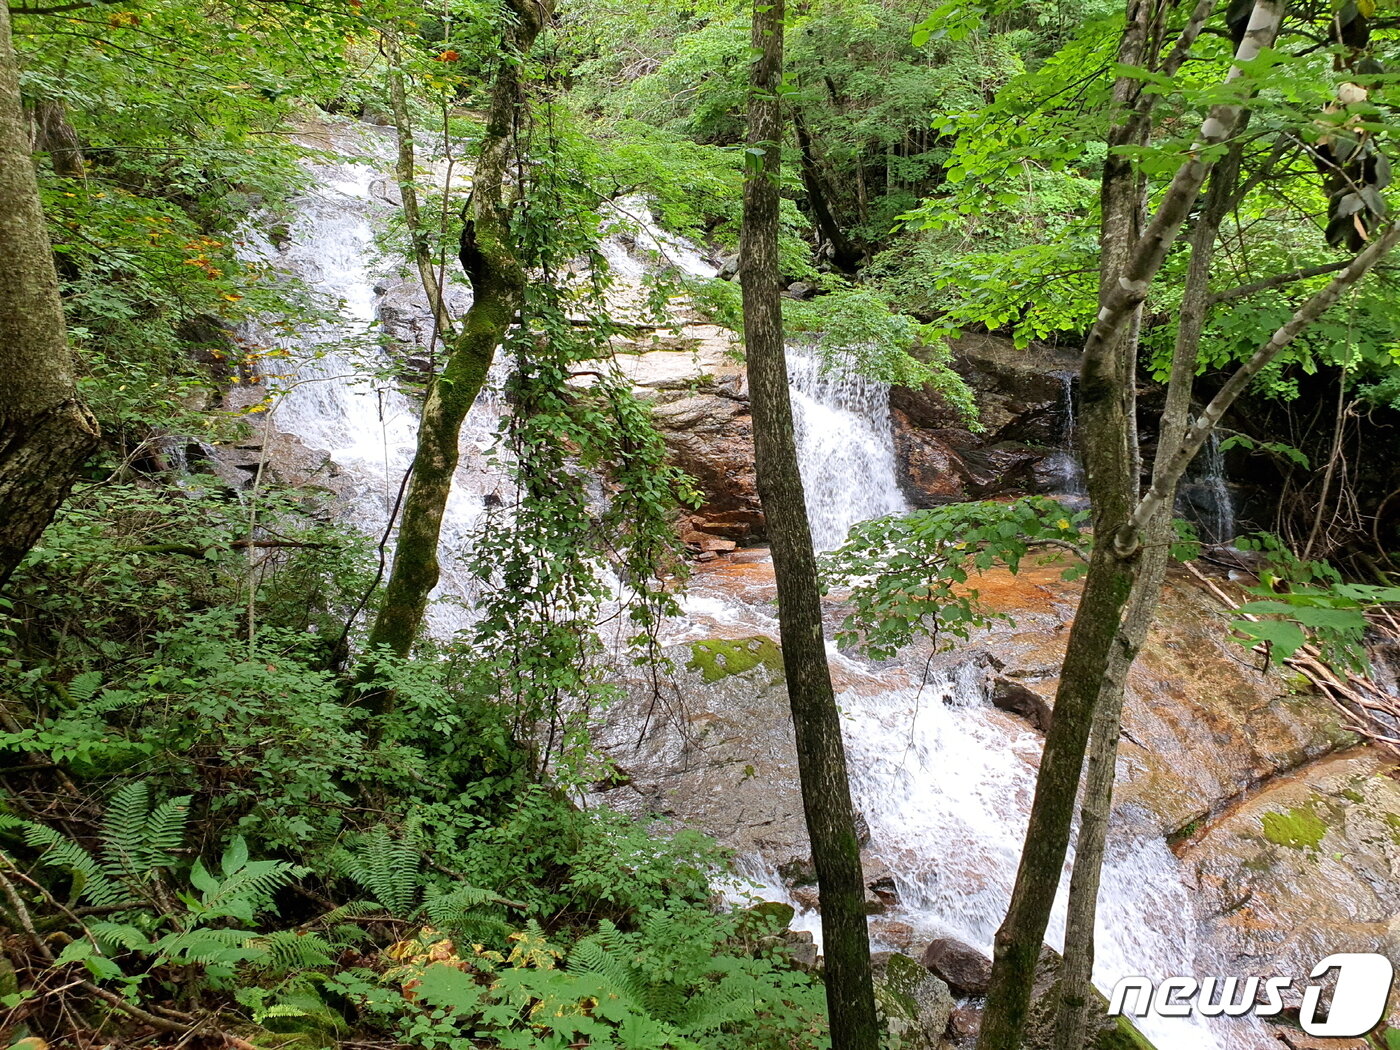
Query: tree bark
[(816, 721), (45, 431), (405, 171), (1076, 971), (488, 256)]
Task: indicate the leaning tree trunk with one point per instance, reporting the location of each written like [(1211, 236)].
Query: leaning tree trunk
[(1130, 261), (498, 284), (45, 431), (821, 757), (1076, 970)]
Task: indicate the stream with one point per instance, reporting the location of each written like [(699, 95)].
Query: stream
[(945, 793)]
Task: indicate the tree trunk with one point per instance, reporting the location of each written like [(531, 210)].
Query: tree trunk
[(498, 287), (1076, 970), (1129, 262), (45, 431), (844, 253), (816, 721)]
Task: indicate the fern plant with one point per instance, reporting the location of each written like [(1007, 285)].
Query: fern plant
[(138, 843), (133, 874), (391, 872)]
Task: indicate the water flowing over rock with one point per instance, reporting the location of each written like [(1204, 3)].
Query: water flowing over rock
[(1281, 826)]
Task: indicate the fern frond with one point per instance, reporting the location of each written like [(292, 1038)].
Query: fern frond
[(84, 686), (123, 833), (248, 889), (164, 832), (291, 951), (386, 868), (467, 911), (205, 947), (352, 910), (90, 881), (114, 935)]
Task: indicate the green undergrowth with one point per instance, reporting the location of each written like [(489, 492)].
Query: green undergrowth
[(201, 822)]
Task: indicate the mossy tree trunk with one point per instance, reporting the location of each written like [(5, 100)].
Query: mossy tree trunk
[(45, 431), (488, 255), (821, 755)]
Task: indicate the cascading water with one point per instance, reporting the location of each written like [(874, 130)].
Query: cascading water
[(1204, 496), (330, 403), (1063, 466), (944, 786), (845, 446)]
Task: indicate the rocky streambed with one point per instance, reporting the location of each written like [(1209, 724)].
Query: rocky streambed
[(1252, 834)]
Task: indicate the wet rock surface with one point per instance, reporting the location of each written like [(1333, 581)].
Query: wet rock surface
[(1212, 744), (697, 381), (963, 968), (1305, 867), (913, 1004)]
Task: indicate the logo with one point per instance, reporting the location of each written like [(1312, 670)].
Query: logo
[(1358, 1003)]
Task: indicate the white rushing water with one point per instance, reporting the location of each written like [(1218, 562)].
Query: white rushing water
[(332, 402), (845, 446), (943, 788)]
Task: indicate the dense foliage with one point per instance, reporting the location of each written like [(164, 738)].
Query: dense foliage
[(199, 824)]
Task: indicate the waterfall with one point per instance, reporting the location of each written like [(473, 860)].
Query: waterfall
[(1065, 471), (944, 788), (946, 793), (332, 402), (1204, 496), (845, 446)]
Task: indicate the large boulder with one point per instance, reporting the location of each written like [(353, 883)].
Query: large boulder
[(913, 1004), (963, 968)]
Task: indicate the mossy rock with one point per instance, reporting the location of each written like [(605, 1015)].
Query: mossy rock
[(717, 658), (1300, 828), (912, 1003), (767, 916)]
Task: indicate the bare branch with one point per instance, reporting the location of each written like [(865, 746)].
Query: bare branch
[(1278, 281)]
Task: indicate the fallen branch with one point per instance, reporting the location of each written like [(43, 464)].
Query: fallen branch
[(1355, 697)]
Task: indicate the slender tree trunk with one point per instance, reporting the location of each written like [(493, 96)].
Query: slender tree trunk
[(816, 720), (406, 174), (1107, 429), (1076, 970), (45, 431), (844, 252), (498, 285)]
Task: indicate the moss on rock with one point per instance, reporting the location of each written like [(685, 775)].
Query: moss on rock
[(913, 1005), (717, 658), (1299, 828)]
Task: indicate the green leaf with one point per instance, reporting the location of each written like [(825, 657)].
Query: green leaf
[(1285, 637)]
